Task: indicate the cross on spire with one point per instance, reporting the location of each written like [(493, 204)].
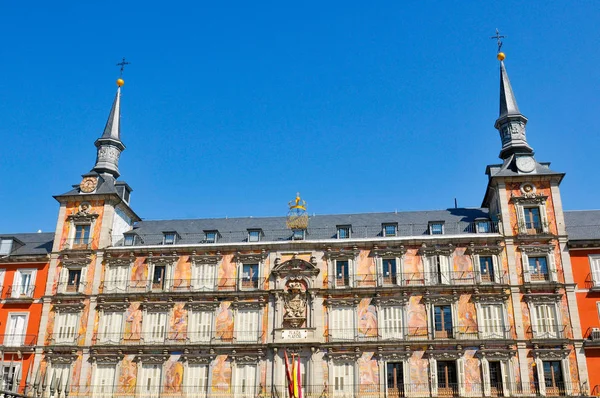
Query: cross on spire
[(122, 65), (498, 37)]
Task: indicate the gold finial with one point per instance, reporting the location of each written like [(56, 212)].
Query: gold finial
[(297, 218), (297, 203), (499, 38), (120, 81)]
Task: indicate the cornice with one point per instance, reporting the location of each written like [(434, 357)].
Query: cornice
[(445, 250)]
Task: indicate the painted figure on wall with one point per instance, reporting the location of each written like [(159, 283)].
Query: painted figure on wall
[(227, 272), (221, 376), (416, 316), (365, 270), (127, 376), (139, 273), (367, 318), (133, 322), (368, 371), (182, 274), (173, 377), (178, 323), (224, 321)]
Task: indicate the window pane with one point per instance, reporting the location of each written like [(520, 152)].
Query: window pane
[(343, 232), (390, 230), (437, 228)]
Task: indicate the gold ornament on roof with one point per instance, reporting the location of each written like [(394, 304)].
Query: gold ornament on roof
[(297, 217)]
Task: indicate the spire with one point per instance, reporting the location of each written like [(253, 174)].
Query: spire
[(511, 123), (109, 144)]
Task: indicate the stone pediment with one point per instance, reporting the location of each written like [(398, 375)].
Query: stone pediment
[(295, 266)]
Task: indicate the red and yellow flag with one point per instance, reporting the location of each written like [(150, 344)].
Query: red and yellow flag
[(297, 379), (288, 375)]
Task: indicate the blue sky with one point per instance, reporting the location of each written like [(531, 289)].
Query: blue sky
[(231, 107)]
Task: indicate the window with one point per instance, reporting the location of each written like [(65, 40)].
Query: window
[(486, 269), (341, 323), (254, 235), (343, 231), (544, 322), (199, 326), (250, 276), (16, 329), (245, 381), (117, 279), (150, 380), (23, 283), (129, 240), (496, 379), (390, 229), (389, 271), (110, 327), (65, 327), (392, 323), (203, 276), (395, 379), (442, 321), (246, 325), (298, 234), (158, 276), (211, 236), (343, 379), (533, 222), (492, 323), (10, 376), (169, 238), (438, 270), (62, 371), (73, 280), (595, 270), (342, 273), (538, 268), (436, 228), (104, 380), (483, 226), (553, 378), (5, 246), (197, 380), (82, 234), (155, 327), (447, 378)]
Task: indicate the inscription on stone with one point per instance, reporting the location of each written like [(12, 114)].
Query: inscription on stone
[(294, 334)]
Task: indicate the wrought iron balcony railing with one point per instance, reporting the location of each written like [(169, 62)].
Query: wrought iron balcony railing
[(203, 337), (312, 234), (533, 228), (18, 340), (180, 285), (454, 278), (547, 331), (76, 244), (19, 292), (71, 287), (419, 333)]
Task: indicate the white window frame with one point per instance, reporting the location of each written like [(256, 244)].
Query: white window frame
[(168, 276), (247, 325), (254, 235), (153, 372), (118, 278), (105, 376), (396, 331), (111, 327), (19, 288), (386, 225), (245, 377), (566, 373), (495, 331), (342, 323), (155, 326), (129, 240), (453, 313), (348, 371), (12, 370), (441, 276), (200, 325), (594, 260), (440, 223), (73, 231), (64, 278), (6, 245), (536, 326), (407, 390), (15, 334), (167, 238), (521, 221), (399, 267), (214, 239), (58, 372), (483, 221), (550, 261), (69, 322), (507, 375), (298, 234), (204, 276), (347, 228), (350, 273), (495, 267), (196, 380), (242, 275)]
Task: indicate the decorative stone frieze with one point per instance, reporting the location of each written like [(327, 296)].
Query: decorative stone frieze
[(434, 250)]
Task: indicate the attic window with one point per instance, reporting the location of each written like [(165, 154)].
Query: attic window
[(211, 236), (169, 238), (298, 234), (390, 229), (482, 226), (5, 246), (129, 240), (254, 235), (343, 231), (436, 228)]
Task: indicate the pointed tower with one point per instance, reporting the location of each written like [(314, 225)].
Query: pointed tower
[(109, 144)]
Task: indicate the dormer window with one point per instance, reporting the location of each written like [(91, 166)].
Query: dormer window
[(298, 234), (436, 228), (211, 236), (169, 238), (129, 240), (390, 229), (5, 246), (343, 231), (482, 226), (254, 235)]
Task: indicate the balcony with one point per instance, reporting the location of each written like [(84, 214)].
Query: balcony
[(213, 337), (533, 228), (547, 331), (71, 287), (18, 340), (312, 234), (67, 339), (592, 337), (453, 278), (419, 334), (19, 292), (180, 285), (77, 244)]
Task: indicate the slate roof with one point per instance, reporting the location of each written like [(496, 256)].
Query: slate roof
[(583, 224), (364, 225), (30, 244)]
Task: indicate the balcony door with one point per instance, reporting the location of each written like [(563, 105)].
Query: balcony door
[(395, 379)]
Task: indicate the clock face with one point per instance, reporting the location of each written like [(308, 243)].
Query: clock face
[(88, 184), (526, 164)]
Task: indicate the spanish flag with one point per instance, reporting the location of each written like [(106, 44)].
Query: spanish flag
[(297, 379), (288, 375)]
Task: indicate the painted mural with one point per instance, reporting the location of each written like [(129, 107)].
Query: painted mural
[(413, 269), (472, 372), (416, 316), (178, 323), (83, 322), (365, 269), (173, 376), (419, 369), (224, 321), (182, 273), (139, 274), (127, 375), (368, 372), (96, 207), (221, 375), (133, 322), (367, 318), (463, 266), (227, 273), (467, 319)]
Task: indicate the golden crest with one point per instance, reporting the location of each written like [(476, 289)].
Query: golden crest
[(88, 184)]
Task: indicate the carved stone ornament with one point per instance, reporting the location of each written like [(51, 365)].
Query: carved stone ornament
[(71, 307), (528, 189), (106, 358), (539, 298), (84, 214), (440, 298), (88, 184), (205, 258), (61, 357), (394, 355), (76, 259), (344, 356), (254, 305), (389, 251), (496, 354), (119, 261), (151, 306), (342, 254), (484, 250), (442, 355), (162, 260), (490, 298), (341, 301), (295, 266), (529, 199), (197, 359), (249, 359), (202, 306), (294, 304), (550, 353), (250, 257), (151, 358), (112, 306), (436, 250), (537, 249), (386, 301)]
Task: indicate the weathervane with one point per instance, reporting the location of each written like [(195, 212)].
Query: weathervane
[(499, 38), (123, 63)]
